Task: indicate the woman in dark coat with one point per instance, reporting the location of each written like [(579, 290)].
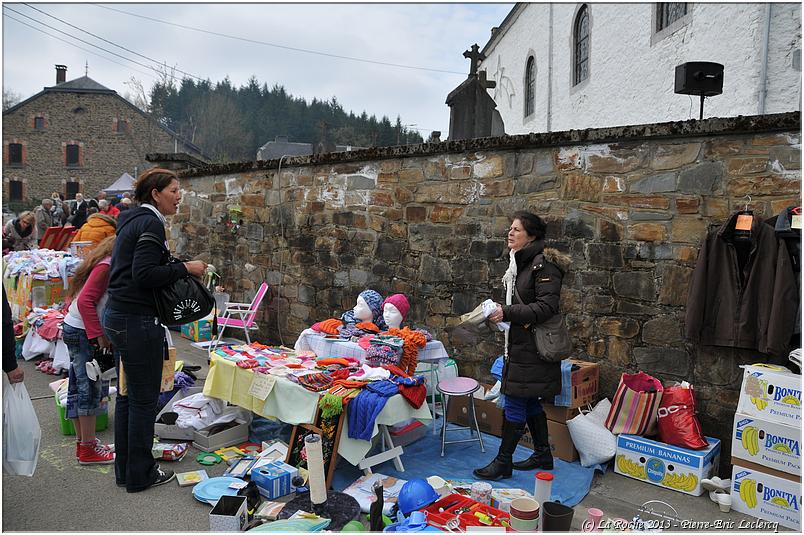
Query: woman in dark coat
[(533, 288), (131, 324)]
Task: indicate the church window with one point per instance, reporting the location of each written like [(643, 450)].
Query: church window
[(530, 86), (669, 12), (581, 48)]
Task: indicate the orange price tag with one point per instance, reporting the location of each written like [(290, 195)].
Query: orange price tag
[(744, 222)]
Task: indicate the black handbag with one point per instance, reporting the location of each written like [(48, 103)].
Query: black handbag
[(185, 300), (551, 336)]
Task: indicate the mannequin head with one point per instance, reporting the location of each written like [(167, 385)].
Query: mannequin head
[(362, 310), (395, 309)]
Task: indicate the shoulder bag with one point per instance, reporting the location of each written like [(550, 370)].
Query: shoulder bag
[(551, 336), (183, 301)]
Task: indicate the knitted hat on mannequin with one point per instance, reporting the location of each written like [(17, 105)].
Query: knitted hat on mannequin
[(374, 301), (400, 302)]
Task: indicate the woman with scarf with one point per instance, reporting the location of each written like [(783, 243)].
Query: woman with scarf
[(532, 291), (20, 234)]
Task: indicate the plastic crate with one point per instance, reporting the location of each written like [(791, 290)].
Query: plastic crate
[(67, 427)]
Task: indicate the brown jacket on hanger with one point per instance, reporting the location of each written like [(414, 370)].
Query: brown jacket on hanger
[(742, 294)]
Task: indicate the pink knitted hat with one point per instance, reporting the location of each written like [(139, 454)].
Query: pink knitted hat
[(400, 302)]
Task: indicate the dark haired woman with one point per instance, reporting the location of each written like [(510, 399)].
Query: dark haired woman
[(532, 291), (131, 324), (83, 335)]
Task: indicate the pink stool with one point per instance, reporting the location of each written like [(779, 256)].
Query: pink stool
[(459, 386)]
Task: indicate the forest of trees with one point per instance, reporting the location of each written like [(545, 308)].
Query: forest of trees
[(230, 123)]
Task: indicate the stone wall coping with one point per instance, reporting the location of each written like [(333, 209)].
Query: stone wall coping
[(779, 122)]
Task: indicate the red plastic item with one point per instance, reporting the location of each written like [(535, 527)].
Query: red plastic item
[(678, 424), (453, 503)]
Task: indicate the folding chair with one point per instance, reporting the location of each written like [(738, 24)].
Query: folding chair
[(239, 316)]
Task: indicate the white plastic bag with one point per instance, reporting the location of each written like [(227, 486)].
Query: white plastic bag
[(60, 355), (21, 432), (595, 443), (35, 345)]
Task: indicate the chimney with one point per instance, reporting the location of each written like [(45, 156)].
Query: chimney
[(61, 74)]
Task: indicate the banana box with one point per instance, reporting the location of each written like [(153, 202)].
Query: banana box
[(767, 443), (771, 393), (766, 496), (665, 465)]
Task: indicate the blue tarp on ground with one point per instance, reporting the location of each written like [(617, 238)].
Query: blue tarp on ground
[(423, 459)]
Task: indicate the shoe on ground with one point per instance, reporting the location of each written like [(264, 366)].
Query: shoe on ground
[(715, 484), (109, 447), (94, 453), (723, 501), (163, 476)]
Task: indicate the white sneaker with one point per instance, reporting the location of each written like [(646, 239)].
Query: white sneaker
[(715, 484), (723, 501)]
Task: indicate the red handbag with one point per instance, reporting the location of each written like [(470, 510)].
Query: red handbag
[(678, 424)]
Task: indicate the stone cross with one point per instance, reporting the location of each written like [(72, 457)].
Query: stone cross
[(475, 56), (481, 77)]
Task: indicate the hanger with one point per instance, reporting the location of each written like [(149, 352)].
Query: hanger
[(745, 219)]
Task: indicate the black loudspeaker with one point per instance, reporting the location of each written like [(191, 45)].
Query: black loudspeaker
[(699, 78)]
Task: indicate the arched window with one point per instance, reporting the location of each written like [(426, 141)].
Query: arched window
[(581, 45), (530, 86)]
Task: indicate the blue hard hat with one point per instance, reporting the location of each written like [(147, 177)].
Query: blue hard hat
[(416, 494)]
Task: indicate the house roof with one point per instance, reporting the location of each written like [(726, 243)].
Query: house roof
[(85, 84), (282, 147)]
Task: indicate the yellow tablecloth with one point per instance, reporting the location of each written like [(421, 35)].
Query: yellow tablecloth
[(294, 404)]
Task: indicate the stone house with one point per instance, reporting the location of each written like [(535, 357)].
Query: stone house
[(77, 136), (631, 205), (590, 65)]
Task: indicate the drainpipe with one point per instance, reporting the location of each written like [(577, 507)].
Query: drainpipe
[(763, 75), (550, 74)]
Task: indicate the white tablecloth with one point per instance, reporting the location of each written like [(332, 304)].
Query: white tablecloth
[(310, 340), (294, 404)]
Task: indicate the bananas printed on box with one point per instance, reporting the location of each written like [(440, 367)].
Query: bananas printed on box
[(686, 482), (631, 468), (748, 492), (750, 439)]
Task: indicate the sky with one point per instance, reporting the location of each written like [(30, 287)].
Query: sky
[(425, 36)]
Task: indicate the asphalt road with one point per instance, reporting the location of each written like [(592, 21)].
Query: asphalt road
[(65, 496)]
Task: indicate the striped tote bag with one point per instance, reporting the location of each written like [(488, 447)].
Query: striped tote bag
[(634, 409)]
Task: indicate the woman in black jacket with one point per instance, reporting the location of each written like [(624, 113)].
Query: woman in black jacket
[(532, 288), (130, 323)]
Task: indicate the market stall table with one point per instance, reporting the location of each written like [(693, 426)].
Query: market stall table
[(293, 404), (434, 354)]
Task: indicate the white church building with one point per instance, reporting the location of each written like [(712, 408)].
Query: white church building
[(575, 66)]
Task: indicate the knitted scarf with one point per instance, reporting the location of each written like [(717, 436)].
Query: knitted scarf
[(364, 409), (413, 341), (509, 280)]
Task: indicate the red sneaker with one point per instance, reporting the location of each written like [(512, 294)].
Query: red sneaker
[(108, 447), (94, 453)]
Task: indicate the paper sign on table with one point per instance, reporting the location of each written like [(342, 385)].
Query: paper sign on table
[(261, 385)]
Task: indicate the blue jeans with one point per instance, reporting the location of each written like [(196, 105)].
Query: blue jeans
[(520, 409), (83, 395), (138, 343)]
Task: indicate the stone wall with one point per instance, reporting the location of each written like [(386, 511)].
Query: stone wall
[(105, 154), (631, 205)]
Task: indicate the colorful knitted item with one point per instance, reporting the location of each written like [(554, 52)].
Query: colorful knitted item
[(326, 361), (248, 363), (368, 327), (400, 302), (329, 326), (374, 302), (364, 409), (330, 405), (414, 341), (379, 354), (415, 395), (315, 381)]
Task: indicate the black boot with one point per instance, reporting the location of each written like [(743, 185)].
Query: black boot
[(541, 458), (501, 466)]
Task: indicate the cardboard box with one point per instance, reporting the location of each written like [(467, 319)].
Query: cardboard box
[(489, 415), (175, 432), (769, 497), (275, 479), (234, 435), (199, 330), (229, 514), (502, 498), (769, 444), (559, 414), (771, 393), (585, 382), (490, 419), (664, 465)]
